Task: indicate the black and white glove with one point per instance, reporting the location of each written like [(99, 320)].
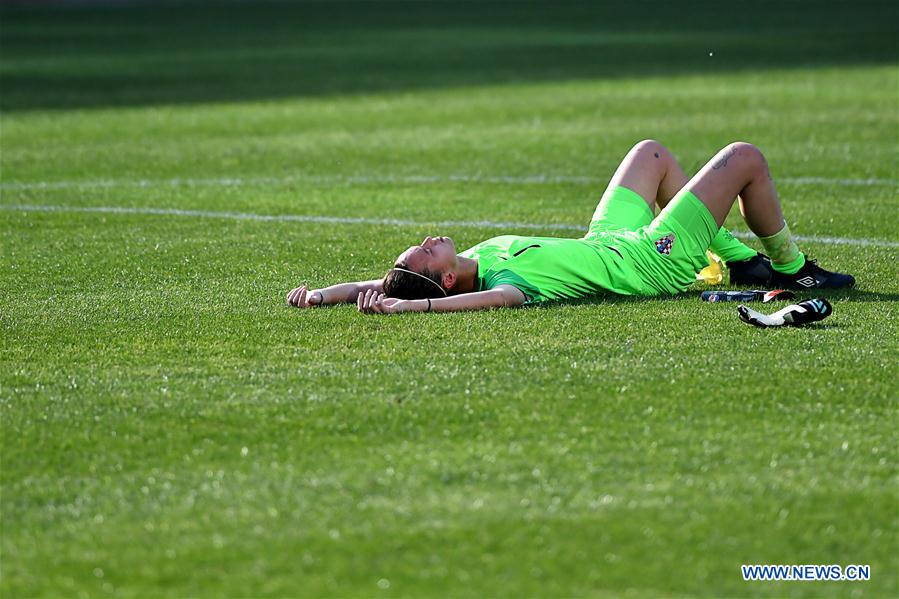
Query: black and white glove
[(804, 312)]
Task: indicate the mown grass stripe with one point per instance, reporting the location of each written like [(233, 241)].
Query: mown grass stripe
[(353, 220), (536, 179)]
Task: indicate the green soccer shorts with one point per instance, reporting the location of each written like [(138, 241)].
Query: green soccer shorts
[(664, 252), (620, 209)]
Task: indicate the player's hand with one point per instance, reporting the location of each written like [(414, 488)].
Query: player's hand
[(372, 302), (301, 297)]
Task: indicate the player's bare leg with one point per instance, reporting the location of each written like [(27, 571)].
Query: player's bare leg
[(651, 171), (741, 170)]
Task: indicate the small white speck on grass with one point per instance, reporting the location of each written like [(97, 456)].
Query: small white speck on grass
[(384, 584), (845, 445), (711, 53), (244, 452), (98, 572), (334, 533)]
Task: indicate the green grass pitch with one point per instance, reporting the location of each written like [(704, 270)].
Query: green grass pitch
[(171, 428)]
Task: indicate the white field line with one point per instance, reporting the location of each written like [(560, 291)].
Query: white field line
[(396, 179), (472, 224)]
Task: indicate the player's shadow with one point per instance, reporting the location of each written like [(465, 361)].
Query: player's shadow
[(851, 295), (90, 54), (605, 300), (831, 295)]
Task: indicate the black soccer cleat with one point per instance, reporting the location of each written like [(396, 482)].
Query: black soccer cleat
[(812, 276), (756, 271)]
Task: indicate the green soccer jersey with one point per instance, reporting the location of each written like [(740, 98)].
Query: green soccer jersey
[(554, 268)]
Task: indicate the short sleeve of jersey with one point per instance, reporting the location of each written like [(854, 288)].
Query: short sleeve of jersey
[(494, 266), (503, 276)]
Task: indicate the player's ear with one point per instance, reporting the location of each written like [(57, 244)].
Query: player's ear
[(449, 279)]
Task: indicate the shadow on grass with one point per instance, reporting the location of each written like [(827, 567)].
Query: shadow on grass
[(830, 295), (853, 295), (602, 300), (166, 53), (610, 299)]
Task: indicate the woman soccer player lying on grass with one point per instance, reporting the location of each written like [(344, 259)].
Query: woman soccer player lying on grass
[(625, 251)]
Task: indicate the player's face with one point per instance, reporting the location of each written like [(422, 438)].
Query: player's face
[(437, 254)]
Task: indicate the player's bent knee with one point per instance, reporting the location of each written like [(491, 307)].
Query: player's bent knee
[(747, 154), (650, 145), (744, 148)]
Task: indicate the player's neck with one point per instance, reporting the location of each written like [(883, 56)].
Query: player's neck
[(467, 275)]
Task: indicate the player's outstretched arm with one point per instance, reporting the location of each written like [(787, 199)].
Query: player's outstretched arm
[(344, 293), (374, 302)]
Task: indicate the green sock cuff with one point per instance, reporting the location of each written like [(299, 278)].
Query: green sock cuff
[(784, 253), (790, 268), (729, 248)]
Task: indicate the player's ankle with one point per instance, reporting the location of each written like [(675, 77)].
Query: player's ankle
[(784, 253), (791, 267)]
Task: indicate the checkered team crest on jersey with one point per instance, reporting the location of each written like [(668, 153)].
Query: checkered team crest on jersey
[(664, 244)]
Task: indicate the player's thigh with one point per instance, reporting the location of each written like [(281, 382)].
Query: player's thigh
[(642, 170), (719, 182)]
